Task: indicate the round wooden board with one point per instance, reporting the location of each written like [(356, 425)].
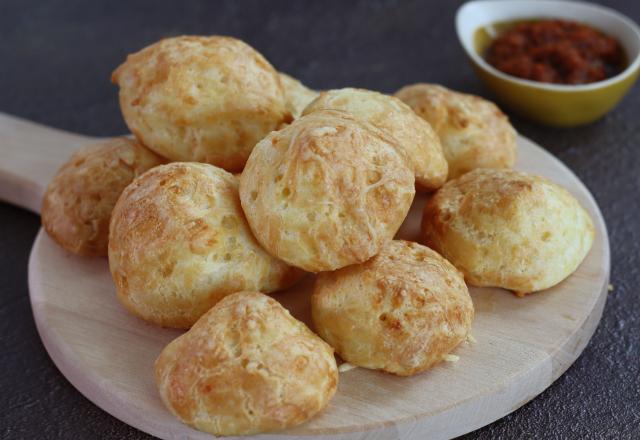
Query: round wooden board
[(522, 344)]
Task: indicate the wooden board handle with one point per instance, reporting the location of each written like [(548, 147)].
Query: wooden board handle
[(30, 155)]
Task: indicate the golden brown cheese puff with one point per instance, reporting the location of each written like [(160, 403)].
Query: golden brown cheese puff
[(247, 366), (203, 99), (417, 139), (179, 243), (474, 132), (298, 95), (326, 191), (505, 228), (402, 311), (79, 199)]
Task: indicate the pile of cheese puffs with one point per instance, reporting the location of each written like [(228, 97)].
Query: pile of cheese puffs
[(238, 180)]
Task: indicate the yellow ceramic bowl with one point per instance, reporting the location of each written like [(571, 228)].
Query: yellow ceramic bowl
[(551, 104)]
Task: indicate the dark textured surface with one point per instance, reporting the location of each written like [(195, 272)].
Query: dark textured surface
[(55, 62)]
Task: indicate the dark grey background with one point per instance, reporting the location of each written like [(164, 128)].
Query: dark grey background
[(56, 58)]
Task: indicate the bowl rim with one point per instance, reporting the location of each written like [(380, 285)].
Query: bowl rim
[(632, 68)]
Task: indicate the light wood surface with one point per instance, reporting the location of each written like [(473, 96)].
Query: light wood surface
[(522, 344)]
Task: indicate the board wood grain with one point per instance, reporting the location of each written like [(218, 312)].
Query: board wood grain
[(521, 344)]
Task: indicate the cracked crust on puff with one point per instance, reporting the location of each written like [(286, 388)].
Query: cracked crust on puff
[(402, 311), (509, 229), (247, 366), (326, 191), (473, 131), (419, 142), (78, 201), (202, 99), (179, 243)]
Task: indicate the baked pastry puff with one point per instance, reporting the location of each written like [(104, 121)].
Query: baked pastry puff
[(179, 243), (402, 311), (202, 99), (509, 229), (416, 138), (247, 366), (297, 94), (326, 191), (78, 201), (473, 131)]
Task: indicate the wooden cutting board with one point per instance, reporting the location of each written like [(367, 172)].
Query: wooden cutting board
[(521, 344)]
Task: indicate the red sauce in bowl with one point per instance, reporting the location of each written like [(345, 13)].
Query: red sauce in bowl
[(556, 51)]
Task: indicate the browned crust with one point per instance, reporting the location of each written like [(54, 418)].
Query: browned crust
[(78, 201), (179, 243), (473, 131), (205, 99), (504, 228), (418, 142), (401, 311), (326, 191), (246, 367)]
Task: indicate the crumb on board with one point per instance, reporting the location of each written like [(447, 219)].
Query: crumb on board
[(346, 366), (569, 317), (610, 287), (450, 358), (471, 339)]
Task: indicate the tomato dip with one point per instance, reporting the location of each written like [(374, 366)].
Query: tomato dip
[(556, 51)]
